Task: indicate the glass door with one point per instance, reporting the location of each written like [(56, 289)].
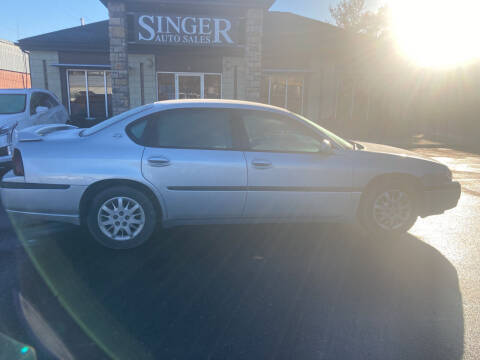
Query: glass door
[(90, 94), (189, 86), (184, 85)]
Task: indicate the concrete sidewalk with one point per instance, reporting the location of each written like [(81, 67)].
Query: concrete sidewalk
[(421, 141)]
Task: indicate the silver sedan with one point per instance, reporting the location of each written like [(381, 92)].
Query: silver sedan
[(204, 162)]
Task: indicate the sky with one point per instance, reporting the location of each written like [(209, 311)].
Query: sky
[(25, 18)]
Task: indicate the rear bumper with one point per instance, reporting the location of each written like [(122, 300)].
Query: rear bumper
[(439, 199), (49, 202), (36, 216)]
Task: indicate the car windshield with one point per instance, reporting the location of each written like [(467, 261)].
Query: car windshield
[(12, 103), (344, 144), (114, 120)]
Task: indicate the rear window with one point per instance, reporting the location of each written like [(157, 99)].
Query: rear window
[(12, 103), (114, 120)]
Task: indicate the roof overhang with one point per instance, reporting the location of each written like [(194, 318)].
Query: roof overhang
[(265, 4), (83, 66)]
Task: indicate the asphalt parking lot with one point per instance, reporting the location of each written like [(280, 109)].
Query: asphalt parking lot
[(256, 292)]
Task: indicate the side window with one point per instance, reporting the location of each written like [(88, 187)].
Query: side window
[(35, 101), (50, 102), (41, 99), (136, 131), (270, 132), (191, 128)]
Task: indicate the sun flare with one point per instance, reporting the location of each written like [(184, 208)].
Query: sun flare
[(437, 33)]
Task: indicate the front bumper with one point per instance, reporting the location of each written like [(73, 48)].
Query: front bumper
[(5, 155), (438, 199)]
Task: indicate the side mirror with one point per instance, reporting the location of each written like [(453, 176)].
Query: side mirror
[(41, 109), (326, 147)]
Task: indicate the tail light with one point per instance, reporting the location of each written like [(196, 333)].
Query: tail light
[(17, 163)]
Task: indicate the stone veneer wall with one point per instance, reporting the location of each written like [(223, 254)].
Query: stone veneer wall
[(118, 57), (253, 53)]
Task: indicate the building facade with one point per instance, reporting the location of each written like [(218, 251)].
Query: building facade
[(14, 67), (151, 50)]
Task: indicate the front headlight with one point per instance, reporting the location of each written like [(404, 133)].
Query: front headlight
[(5, 130)]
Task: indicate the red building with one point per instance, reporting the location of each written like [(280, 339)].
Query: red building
[(14, 67)]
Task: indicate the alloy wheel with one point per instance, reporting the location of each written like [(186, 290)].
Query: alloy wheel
[(392, 210), (121, 218)]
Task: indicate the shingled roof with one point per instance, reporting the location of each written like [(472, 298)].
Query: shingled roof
[(90, 37)]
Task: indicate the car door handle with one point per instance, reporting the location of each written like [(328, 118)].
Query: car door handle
[(158, 161), (262, 164)]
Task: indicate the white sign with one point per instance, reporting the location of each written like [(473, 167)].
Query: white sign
[(183, 30)]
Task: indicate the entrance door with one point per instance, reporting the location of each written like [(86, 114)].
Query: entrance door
[(189, 87), (184, 85)]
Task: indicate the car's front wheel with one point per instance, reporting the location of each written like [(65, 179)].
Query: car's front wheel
[(121, 217), (389, 209)]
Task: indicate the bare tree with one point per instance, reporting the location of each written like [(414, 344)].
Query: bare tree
[(348, 14), (352, 15)]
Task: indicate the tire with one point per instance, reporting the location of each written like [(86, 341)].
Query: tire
[(376, 208), (125, 229)]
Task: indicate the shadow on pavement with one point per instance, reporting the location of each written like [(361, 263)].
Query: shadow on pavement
[(255, 292)]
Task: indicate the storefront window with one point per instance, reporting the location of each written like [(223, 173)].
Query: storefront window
[(166, 86), (90, 94), (285, 91), (109, 94), (189, 86), (278, 91), (295, 95), (78, 98), (96, 94), (213, 86)]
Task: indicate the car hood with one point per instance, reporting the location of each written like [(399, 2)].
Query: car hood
[(10, 119), (390, 150)]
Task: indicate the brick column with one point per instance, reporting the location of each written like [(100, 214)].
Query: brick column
[(118, 56), (253, 53)]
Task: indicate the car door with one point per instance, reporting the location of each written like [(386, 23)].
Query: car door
[(288, 174), (190, 157)]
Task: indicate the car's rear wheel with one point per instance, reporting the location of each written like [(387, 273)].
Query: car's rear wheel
[(121, 217), (389, 209)]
